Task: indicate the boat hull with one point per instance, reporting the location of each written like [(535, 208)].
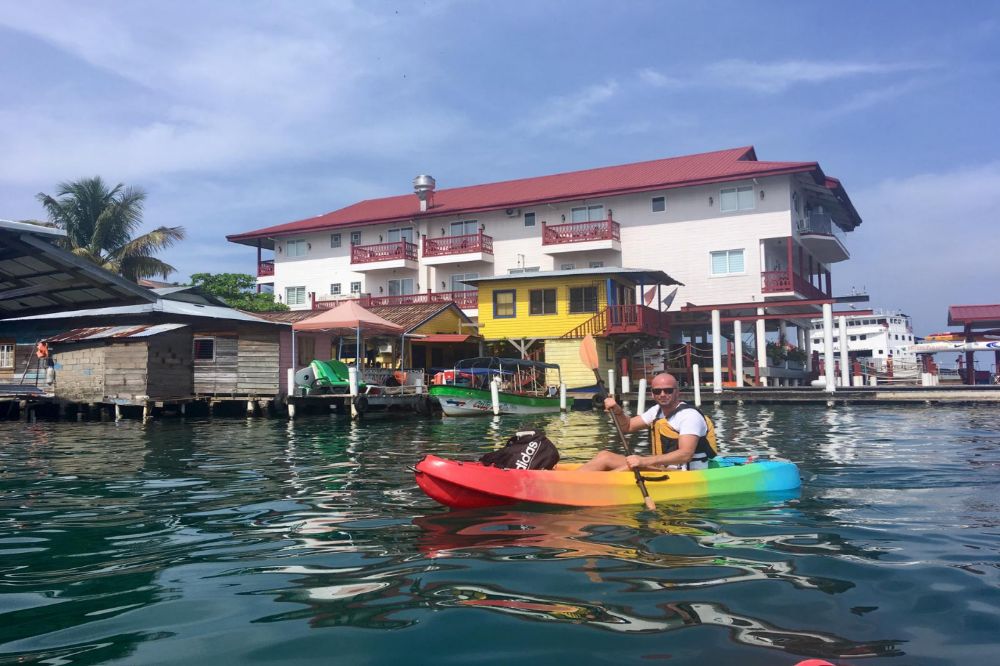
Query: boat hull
[(465, 401), (465, 485)]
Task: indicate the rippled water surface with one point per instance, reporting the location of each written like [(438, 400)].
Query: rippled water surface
[(254, 541)]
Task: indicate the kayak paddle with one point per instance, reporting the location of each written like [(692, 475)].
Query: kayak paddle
[(588, 354)]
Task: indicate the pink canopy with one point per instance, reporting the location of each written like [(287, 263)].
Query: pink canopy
[(348, 316)]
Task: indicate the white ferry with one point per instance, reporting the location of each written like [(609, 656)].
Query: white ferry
[(876, 336)]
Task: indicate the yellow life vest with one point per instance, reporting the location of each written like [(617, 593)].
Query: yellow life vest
[(665, 439)]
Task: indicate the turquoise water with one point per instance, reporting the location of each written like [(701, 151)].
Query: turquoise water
[(254, 541)]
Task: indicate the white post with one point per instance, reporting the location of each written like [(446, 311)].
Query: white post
[(495, 395), (805, 345), (291, 381), (828, 347), (642, 396), (761, 342), (626, 384), (352, 380), (738, 350), (291, 410), (562, 397), (716, 351), (697, 384), (250, 407), (845, 370), (611, 380), (118, 412)]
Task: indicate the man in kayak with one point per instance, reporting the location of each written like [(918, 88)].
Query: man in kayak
[(681, 436)]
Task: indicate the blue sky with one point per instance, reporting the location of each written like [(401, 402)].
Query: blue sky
[(239, 115)]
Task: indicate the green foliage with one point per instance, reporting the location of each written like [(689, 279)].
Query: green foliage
[(239, 290), (100, 224)]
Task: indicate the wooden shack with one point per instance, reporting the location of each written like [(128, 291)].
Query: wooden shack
[(123, 364)]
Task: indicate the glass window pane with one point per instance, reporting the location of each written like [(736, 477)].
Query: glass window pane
[(745, 197), (736, 261), (529, 219), (595, 213), (659, 204), (728, 200), (719, 263), (579, 215)]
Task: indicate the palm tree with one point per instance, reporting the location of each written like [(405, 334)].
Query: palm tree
[(99, 224)]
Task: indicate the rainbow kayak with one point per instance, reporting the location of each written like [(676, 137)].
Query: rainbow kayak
[(466, 485)]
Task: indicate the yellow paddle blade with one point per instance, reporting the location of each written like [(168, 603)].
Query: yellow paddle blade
[(588, 352)]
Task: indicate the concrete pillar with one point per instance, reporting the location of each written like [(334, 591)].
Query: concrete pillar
[(251, 407), (147, 412), (118, 412), (845, 369), (761, 342), (716, 351), (738, 351), (828, 347)]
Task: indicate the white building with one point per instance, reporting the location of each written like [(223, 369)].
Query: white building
[(730, 227), (877, 336)]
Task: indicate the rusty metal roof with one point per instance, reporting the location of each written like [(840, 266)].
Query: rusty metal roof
[(113, 332)]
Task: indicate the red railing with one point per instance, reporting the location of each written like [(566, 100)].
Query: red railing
[(624, 319), (436, 247), (780, 281), (265, 268), (463, 299), (577, 232), (363, 254)]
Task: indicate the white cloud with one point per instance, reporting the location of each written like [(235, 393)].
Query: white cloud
[(927, 242), (567, 111), (771, 77)]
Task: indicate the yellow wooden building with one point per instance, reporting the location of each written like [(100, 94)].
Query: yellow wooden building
[(545, 315)]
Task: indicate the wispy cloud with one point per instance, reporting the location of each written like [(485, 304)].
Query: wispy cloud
[(771, 77), (566, 111), (918, 247)]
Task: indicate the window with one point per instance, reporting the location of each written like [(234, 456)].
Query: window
[(465, 228), (7, 352), (597, 264), (295, 248), (658, 204), (526, 269), (587, 214), (401, 287), (334, 240), (204, 349), (295, 295), (609, 352), (727, 262), (355, 287), (396, 235), (458, 281), (542, 302), (736, 198), (582, 299), (335, 288), (355, 238), (504, 306), (529, 219), (567, 267)]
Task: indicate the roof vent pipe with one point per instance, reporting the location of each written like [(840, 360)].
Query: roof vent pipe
[(423, 185)]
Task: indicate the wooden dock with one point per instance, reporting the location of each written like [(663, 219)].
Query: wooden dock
[(860, 395)]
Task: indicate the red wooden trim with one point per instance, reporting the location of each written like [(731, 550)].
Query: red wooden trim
[(265, 268), (445, 245), (576, 232)]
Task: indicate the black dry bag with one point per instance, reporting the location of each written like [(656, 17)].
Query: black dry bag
[(527, 449)]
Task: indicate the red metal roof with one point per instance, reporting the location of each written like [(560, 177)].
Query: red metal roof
[(703, 168), (979, 315)]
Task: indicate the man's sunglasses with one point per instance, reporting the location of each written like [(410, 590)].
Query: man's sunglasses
[(658, 391)]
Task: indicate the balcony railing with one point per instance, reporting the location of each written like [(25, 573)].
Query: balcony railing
[(363, 254), (445, 245), (823, 224), (464, 299), (577, 232), (265, 268), (773, 282), (624, 319)]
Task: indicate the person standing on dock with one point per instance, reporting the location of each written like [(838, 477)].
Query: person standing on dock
[(681, 436)]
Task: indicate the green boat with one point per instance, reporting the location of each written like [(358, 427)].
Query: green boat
[(525, 387)]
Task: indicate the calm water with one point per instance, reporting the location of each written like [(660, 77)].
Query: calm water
[(231, 541)]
